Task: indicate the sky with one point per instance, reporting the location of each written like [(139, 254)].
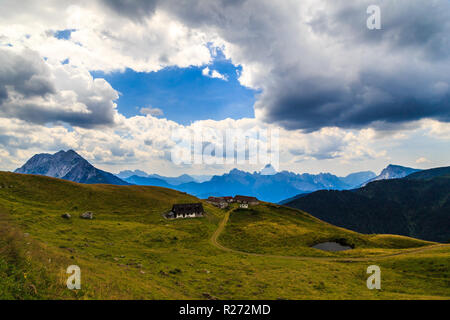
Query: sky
[(183, 95), (114, 80)]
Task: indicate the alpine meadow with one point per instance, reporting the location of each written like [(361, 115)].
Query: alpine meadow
[(223, 159)]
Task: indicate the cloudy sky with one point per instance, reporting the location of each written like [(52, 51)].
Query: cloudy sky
[(113, 79)]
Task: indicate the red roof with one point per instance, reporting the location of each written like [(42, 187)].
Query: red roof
[(215, 199), (245, 198)]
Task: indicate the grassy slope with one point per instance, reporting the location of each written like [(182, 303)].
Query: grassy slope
[(130, 251), (416, 206), (274, 229)]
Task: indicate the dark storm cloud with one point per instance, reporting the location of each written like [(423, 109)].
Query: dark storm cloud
[(415, 45), (395, 75), (25, 74), (192, 12), (28, 92), (311, 104), (315, 62), (406, 24), (100, 115), (133, 9)]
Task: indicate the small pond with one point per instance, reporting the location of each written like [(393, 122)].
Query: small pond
[(331, 246)]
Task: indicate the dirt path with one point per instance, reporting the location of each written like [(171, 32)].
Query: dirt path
[(214, 241)]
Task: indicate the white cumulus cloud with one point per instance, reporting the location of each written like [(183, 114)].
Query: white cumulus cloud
[(213, 74)]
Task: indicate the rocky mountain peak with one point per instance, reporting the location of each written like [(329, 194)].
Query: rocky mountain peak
[(67, 165), (268, 170)]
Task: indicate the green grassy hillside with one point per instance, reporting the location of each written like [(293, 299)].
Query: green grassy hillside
[(417, 206), (275, 229), (130, 251)]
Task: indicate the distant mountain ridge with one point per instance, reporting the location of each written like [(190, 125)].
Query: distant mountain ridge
[(129, 173), (269, 186), (393, 172), (354, 179), (184, 178), (360, 179), (429, 174), (68, 165), (268, 170), (148, 181), (417, 205)]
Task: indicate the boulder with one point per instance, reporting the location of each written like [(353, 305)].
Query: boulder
[(66, 216), (87, 215)]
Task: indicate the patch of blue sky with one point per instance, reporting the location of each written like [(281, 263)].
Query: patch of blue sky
[(64, 34), (184, 94)]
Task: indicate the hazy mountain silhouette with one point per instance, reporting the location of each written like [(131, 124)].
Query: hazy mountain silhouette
[(68, 165), (393, 172), (417, 205)]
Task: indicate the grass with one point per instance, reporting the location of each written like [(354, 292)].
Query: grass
[(274, 229), (130, 251)]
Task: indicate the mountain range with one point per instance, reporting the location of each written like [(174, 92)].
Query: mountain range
[(390, 172), (271, 187), (68, 165), (267, 185), (417, 205), (393, 172), (184, 178)]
